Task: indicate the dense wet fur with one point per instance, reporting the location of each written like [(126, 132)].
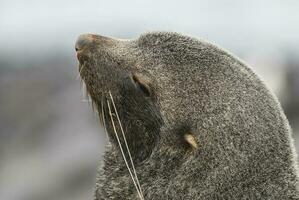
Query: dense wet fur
[(245, 150)]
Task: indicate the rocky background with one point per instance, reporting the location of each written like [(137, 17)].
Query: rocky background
[(50, 139)]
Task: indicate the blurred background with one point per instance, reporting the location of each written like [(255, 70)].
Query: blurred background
[(50, 139)]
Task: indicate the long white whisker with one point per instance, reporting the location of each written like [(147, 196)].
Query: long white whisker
[(78, 76), (85, 96), (126, 144), (122, 152), (103, 118), (83, 90)]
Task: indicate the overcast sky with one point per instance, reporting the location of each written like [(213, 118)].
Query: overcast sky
[(33, 25)]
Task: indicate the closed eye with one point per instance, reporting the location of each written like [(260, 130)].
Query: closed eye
[(141, 86)]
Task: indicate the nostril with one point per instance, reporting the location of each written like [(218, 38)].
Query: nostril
[(83, 41)]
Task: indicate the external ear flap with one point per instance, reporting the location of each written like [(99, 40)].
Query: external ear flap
[(190, 139)]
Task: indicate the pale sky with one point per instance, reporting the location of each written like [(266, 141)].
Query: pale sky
[(38, 25)]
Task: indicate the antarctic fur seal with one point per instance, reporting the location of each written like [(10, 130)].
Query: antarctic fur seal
[(185, 120)]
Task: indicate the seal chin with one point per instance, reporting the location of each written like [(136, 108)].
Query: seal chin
[(81, 56)]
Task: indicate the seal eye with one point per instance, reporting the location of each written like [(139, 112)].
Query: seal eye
[(141, 86)]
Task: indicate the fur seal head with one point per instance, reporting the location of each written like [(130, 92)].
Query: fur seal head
[(149, 86), (198, 123)]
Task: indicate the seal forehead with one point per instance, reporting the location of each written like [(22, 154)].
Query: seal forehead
[(156, 38)]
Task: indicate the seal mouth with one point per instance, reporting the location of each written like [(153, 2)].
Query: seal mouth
[(78, 54), (81, 57), (100, 101), (83, 42)]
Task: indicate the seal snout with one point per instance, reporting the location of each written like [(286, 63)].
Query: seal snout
[(87, 43), (83, 41)]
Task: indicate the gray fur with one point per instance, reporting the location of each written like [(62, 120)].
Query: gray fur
[(245, 150)]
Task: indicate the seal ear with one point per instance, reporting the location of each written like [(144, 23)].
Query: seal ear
[(190, 139)]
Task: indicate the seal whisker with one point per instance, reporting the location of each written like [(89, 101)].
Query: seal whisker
[(100, 111), (85, 95), (126, 144), (122, 151), (80, 70), (103, 117), (93, 105)]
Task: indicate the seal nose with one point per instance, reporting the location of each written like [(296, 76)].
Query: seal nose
[(83, 41), (86, 40)]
